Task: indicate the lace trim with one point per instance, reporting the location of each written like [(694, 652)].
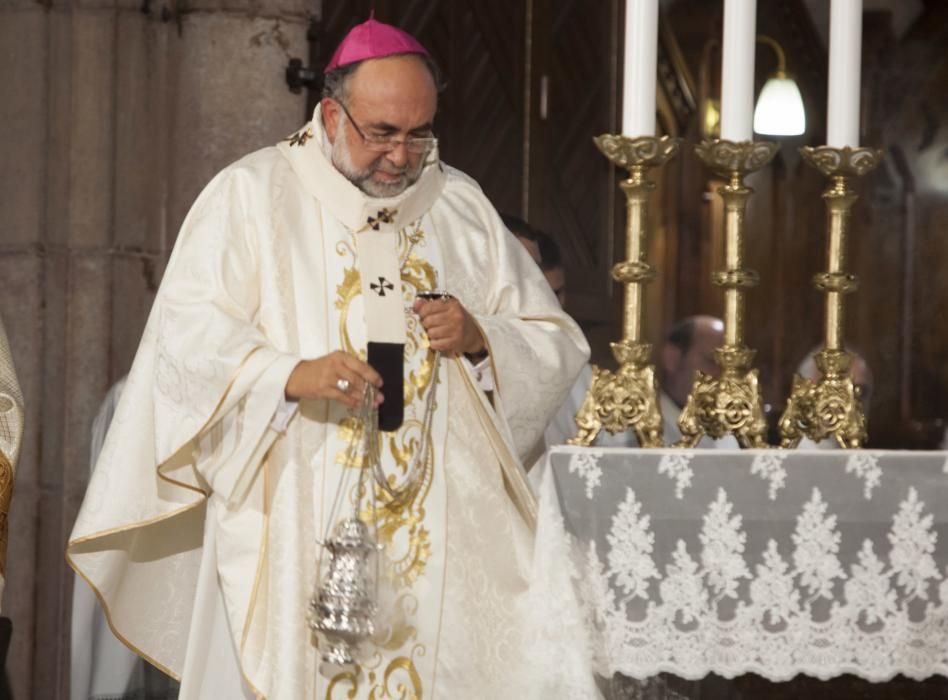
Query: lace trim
[(798, 610)]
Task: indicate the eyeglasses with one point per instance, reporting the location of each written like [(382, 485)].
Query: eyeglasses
[(387, 144)]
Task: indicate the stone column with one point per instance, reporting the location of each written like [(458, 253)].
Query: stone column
[(116, 114)]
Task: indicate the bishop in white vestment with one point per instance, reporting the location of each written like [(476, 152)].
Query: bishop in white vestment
[(200, 525)]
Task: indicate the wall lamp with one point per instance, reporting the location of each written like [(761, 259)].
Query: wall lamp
[(779, 110)]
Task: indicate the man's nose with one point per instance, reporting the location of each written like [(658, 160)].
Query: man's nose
[(398, 155)]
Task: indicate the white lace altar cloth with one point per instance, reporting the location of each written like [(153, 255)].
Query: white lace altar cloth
[(770, 562)]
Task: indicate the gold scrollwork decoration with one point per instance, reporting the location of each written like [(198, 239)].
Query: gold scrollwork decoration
[(626, 152), (846, 161), (736, 278), (401, 526), (6, 494), (718, 407), (400, 680), (617, 401), (839, 282), (627, 353), (633, 271), (726, 157), (827, 408), (344, 679)]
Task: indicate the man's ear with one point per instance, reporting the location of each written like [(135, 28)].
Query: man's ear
[(331, 111)]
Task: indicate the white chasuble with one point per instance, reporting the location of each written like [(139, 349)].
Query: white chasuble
[(266, 272)]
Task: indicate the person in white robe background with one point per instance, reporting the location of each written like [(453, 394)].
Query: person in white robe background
[(563, 424), (198, 531)]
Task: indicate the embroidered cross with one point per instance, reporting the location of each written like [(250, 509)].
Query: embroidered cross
[(301, 137), (384, 216), (380, 287)]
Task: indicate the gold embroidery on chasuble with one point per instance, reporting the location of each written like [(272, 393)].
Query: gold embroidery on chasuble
[(399, 680), (300, 137), (6, 493), (401, 525)]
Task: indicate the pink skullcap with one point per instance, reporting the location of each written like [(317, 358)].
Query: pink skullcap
[(373, 39)]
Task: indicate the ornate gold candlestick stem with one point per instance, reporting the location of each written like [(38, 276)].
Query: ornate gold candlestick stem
[(832, 405), (629, 398), (730, 404)]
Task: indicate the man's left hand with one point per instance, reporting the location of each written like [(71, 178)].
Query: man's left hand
[(449, 326)]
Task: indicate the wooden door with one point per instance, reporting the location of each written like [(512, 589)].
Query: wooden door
[(572, 187)]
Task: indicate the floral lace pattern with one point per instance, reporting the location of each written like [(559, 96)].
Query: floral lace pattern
[(769, 467), (630, 548), (865, 465), (811, 579), (586, 466), (677, 466)]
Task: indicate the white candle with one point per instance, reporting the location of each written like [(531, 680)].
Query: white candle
[(737, 69), (640, 67), (842, 122)]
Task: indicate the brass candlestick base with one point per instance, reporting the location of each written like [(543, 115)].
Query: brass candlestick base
[(732, 403), (832, 405), (629, 398)]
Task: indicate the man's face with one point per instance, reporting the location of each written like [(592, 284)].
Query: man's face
[(700, 355), (393, 98), (557, 279), (680, 367)]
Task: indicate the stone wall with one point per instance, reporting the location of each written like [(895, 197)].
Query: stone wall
[(115, 114)]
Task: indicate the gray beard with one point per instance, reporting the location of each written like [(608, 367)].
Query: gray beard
[(342, 161)]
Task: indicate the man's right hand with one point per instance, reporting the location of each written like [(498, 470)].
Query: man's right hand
[(319, 378)]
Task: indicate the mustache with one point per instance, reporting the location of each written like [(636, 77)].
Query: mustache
[(390, 169)]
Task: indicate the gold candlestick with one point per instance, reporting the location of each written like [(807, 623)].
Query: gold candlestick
[(730, 404), (832, 405), (629, 398)]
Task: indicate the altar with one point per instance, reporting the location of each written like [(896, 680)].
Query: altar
[(772, 562)]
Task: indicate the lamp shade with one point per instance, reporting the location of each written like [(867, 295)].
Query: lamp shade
[(779, 109)]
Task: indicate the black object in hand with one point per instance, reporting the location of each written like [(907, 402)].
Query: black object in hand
[(386, 359)]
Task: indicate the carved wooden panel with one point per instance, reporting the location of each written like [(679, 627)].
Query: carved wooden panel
[(573, 193)]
